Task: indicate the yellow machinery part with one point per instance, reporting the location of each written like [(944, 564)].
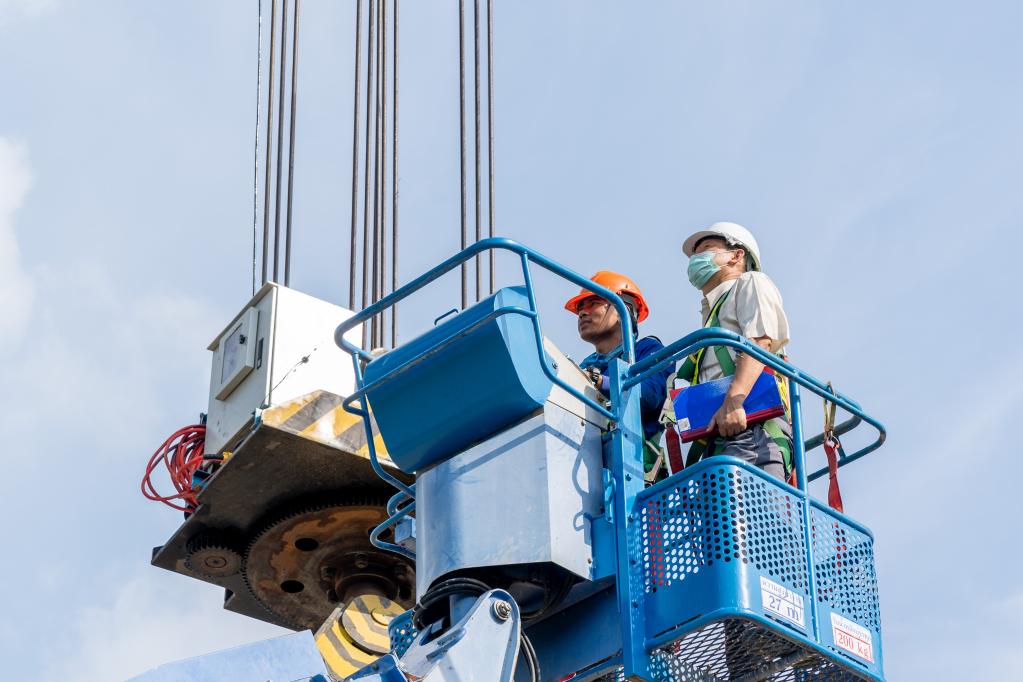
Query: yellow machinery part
[(355, 634)]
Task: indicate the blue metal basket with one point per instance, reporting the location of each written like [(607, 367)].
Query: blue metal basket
[(726, 581)]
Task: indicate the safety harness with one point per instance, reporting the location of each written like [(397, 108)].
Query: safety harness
[(832, 447)]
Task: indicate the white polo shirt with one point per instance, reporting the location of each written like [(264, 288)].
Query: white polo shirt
[(753, 309)]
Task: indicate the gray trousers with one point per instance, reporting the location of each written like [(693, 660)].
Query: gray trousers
[(755, 446)]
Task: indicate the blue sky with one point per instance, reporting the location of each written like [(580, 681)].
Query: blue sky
[(873, 147)]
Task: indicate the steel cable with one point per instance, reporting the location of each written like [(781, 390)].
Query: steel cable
[(476, 146), (377, 173), (490, 133), (255, 152), (365, 194), (269, 139), (291, 140), (394, 180), (280, 136), (355, 155), (382, 167), (461, 139)]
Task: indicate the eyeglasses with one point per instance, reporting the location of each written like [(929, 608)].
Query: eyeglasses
[(591, 303)]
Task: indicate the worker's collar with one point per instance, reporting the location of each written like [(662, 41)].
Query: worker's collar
[(715, 294)]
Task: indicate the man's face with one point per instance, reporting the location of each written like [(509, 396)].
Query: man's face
[(596, 319), (724, 254)]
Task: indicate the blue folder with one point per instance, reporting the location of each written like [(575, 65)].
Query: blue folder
[(695, 405)]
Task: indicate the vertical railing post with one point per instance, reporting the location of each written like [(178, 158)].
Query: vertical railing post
[(627, 469), (799, 461)]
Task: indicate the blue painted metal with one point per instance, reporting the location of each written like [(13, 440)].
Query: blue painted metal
[(641, 611), (291, 657), (385, 669), (712, 533), (472, 388), (402, 633), (587, 632), (627, 468)]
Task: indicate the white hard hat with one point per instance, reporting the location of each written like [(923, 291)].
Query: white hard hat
[(733, 233)]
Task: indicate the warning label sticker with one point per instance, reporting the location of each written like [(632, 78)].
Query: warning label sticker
[(852, 637), (782, 601)]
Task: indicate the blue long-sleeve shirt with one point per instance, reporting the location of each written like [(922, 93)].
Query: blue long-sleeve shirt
[(653, 389)]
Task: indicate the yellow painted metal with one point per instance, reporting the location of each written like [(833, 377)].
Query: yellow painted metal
[(319, 417), (355, 634)]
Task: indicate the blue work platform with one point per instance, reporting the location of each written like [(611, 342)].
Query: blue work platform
[(719, 572)]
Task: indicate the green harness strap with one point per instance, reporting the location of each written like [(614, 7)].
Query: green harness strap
[(691, 368)]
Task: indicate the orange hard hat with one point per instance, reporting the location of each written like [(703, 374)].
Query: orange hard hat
[(616, 282)]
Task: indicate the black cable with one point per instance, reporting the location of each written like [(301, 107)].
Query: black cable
[(291, 142), (529, 653), (355, 155), (280, 136), (439, 593), (461, 137), (269, 138)]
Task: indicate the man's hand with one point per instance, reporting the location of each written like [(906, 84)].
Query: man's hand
[(730, 419), (595, 376)]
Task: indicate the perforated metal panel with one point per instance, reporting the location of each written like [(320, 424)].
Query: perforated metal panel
[(711, 537), (723, 514), (402, 633), (739, 649), (843, 561)]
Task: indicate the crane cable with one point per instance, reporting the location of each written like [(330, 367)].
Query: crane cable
[(477, 145), (373, 274), (280, 86), (255, 153)]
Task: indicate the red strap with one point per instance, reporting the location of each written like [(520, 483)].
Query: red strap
[(834, 493), (674, 444)]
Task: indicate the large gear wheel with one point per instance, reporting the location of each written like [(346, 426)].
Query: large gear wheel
[(301, 566), (212, 557)]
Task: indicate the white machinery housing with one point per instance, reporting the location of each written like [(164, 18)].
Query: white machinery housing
[(280, 346)]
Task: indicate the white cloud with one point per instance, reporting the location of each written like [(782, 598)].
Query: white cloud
[(11, 10), (154, 619), (16, 290)]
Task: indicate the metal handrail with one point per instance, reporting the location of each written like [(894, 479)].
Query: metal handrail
[(526, 256), (637, 371), (492, 244), (716, 336)]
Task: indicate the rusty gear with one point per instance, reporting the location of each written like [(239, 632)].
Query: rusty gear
[(302, 565), (213, 557)]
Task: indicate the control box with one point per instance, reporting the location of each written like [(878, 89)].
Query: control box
[(278, 347)]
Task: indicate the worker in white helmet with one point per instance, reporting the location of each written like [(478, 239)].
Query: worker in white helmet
[(724, 264)]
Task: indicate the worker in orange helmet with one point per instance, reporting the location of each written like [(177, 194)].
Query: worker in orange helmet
[(599, 324)]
